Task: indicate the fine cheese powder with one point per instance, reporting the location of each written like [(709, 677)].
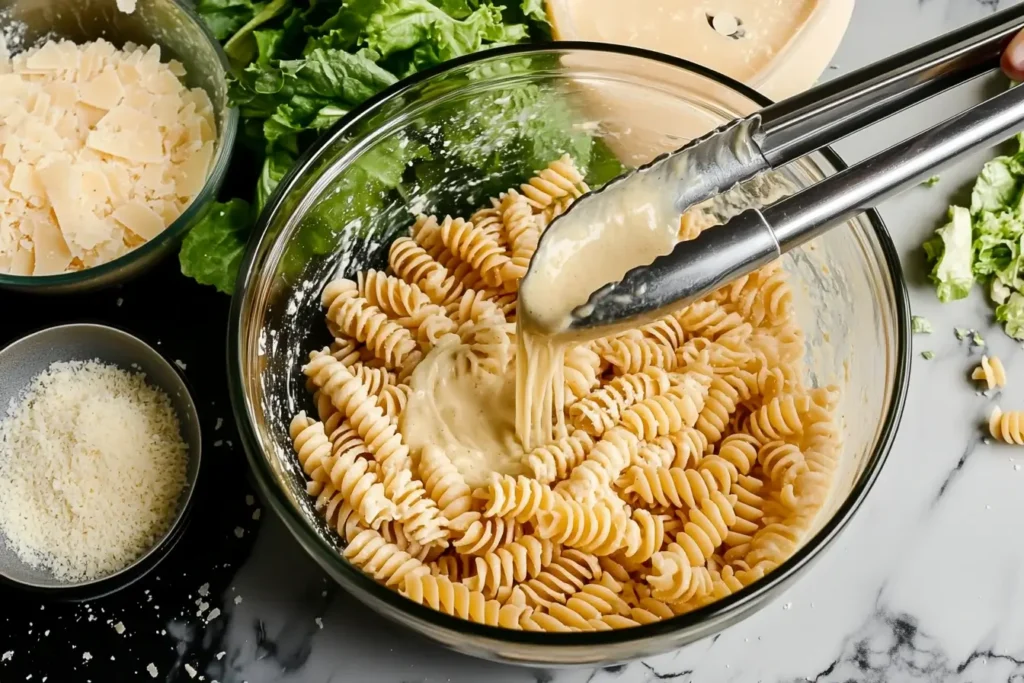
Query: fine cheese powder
[(92, 465), (100, 150)]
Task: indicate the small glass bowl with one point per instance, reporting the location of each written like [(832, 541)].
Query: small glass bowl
[(330, 218), (181, 35)]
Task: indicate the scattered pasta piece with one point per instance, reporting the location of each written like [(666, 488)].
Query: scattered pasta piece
[(1007, 427), (991, 372)]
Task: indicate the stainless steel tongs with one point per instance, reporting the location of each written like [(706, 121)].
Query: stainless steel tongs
[(787, 130)]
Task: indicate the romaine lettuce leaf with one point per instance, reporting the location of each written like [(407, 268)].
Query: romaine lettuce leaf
[(1012, 313), (995, 187), (212, 251), (952, 252)]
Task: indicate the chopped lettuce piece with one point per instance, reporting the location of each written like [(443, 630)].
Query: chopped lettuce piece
[(1012, 314), (952, 252), (931, 182), (927, 355), (977, 340), (961, 332), (995, 187), (919, 325)]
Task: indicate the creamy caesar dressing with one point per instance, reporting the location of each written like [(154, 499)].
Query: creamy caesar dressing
[(469, 415), (737, 37), (628, 225)]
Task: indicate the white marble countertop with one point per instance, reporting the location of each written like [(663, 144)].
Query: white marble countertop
[(920, 587)]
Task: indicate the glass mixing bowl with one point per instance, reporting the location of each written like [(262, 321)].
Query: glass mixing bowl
[(181, 35), (473, 128)]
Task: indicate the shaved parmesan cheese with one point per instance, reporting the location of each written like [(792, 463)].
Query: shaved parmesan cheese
[(100, 150), (140, 219), (104, 91)]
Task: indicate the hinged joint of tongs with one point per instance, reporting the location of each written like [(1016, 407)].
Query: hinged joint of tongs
[(788, 130)]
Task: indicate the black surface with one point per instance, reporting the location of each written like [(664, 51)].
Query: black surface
[(40, 638)]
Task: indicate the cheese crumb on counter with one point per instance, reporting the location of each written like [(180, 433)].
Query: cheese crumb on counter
[(92, 466), (100, 150)]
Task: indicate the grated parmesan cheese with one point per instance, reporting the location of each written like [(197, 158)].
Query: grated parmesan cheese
[(100, 150), (92, 465)]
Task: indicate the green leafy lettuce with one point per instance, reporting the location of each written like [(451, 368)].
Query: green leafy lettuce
[(951, 250), (301, 65), (985, 243), (212, 255)]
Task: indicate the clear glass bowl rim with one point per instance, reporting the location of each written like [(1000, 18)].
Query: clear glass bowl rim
[(177, 229), (717, 615)]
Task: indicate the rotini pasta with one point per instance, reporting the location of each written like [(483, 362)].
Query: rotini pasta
[(687, 458), (991, 372), (1007, 427)]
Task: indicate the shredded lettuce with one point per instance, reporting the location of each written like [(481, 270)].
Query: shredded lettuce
[(301, 65), (951, 250), (919, 325), (986, 242)]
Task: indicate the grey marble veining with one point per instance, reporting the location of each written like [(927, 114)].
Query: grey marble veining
[(922, 586)]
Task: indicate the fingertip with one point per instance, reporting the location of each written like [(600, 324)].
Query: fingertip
[(1012, 61)]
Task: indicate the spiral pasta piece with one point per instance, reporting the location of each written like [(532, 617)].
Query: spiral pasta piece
[(602, 409), (455, 567), (706, 528), (719, 404), (484, 253), (482, 536), (782, 462), (740, 450), (991, 372), (520, 226), (310, 442), (518, 498), (671, 486), (600, 529), (777, 419), (555, 460), (519, 561), (674, 580), (488, 220), (651, 538), (412, 263), (602, 465), (392, 399), (670, 412), (1007, 427), (667, 331), (559, 181), (630, 355), (582, 371), (350, 397), (349, 470), (394, 296), (358, 319), (450, 597), (444, 483), (419, 514), (562, 578), (384, 561)]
